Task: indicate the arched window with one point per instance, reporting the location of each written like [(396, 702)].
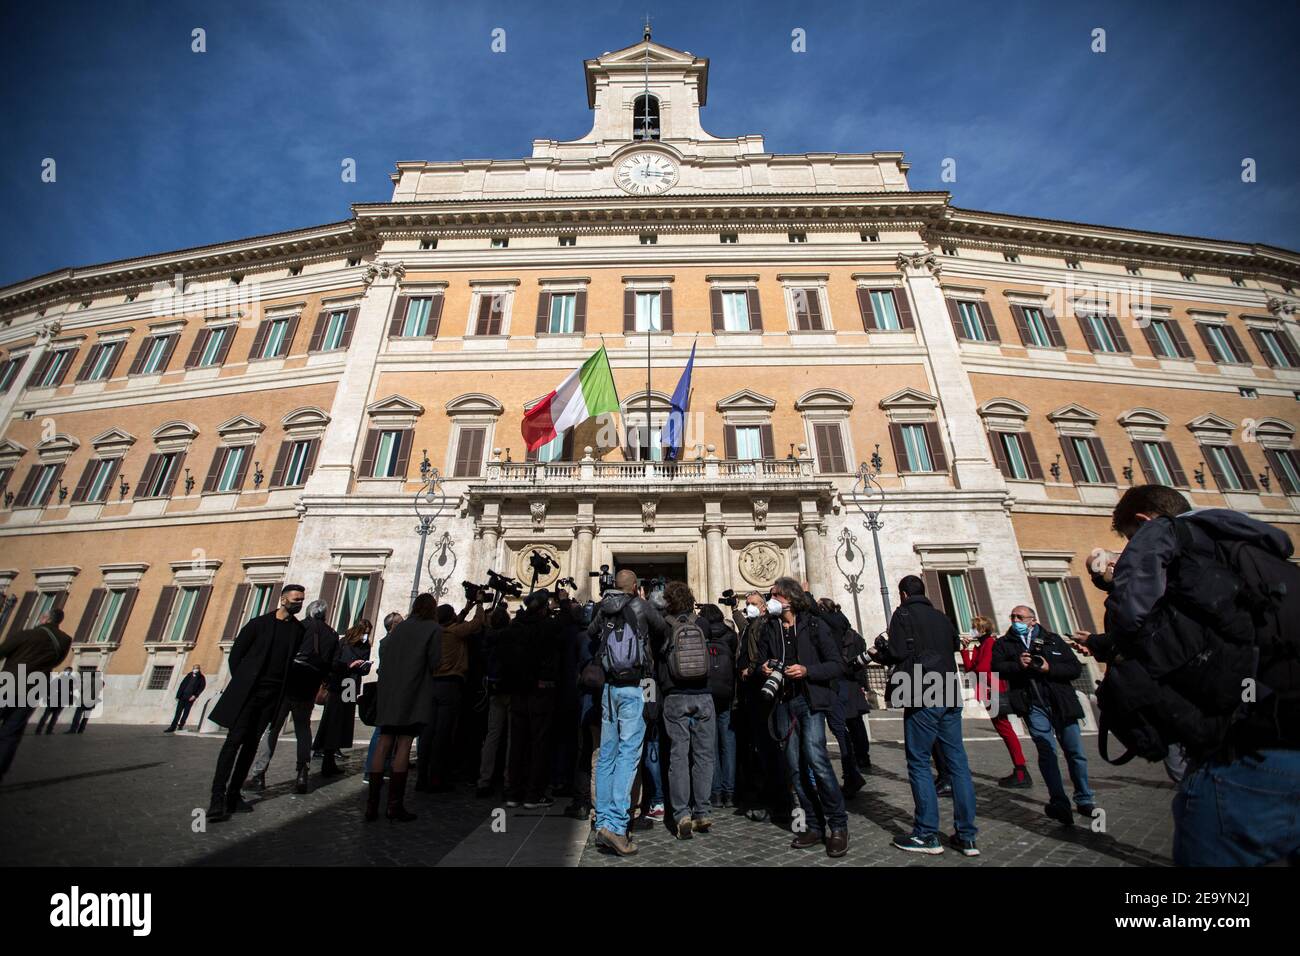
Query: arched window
[(645, 117)]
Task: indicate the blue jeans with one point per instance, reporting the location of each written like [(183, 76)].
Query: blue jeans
[(622, 728), (1042, 732), (1244, 813), (653, 769), (724, 767), (804, 734), (922, 726)]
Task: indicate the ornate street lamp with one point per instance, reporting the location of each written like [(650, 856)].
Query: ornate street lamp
[(867, 488), (851, 561), (429, 503)]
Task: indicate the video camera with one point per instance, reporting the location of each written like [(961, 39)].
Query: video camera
[(541, 563), (606, 578), (728, 598), (569, 583)]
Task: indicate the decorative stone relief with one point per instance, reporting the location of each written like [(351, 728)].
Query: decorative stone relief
[(648, 509), (760, 513), (537, 509), (761, 563), (524, 568)]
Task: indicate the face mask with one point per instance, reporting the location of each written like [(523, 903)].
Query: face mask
[(293, 607), (775, 607), (752, 611), (1020, 627)]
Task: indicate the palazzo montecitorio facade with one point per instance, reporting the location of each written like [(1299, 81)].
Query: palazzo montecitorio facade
[(182, 433)]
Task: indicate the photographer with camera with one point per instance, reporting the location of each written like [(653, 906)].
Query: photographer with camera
[(1039, 668), (845, 718), (760, 765), (498, 703), (922, 645), (802, 663), (533, 644)]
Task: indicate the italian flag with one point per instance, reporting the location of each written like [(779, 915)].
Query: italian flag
[(587, 391)]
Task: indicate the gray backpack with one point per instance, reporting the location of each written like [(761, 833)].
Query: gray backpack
[(688, 650)]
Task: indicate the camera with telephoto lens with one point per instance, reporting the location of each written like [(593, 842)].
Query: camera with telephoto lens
[(504, 585), (474, 592), (606, 578), (772, 686), (541, 563), (1036, 648), (728, 598), (569, 583)]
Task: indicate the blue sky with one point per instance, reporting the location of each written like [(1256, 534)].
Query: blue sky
[(160, 148)]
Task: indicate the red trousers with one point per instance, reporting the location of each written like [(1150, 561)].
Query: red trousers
[(1002, 724)]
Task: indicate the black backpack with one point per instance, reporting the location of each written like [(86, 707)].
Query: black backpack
[(852, 645), (1217, 657), (722, 670)]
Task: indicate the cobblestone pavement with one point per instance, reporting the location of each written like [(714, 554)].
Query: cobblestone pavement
[(129, 795)]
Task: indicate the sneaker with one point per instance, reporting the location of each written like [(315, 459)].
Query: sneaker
[(715, 800), (684, 828), (701, 824), (964, 847), (728, 801), (541, 804), (644, 823), (656, 812), (1018, 779), (512, 804), (757, 815), (943, 789), (915, 844), (1060, 812)]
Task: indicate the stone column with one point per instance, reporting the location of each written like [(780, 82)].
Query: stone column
[(716, 550), (44, 335), (814, 558), (333, 472)]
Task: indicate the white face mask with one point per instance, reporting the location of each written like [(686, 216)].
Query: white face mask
[(775, 607), (751, 610)]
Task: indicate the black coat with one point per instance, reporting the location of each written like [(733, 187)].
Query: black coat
[(191, 686), (817, 651), (1027, 686), (408, 656), (247, 658)]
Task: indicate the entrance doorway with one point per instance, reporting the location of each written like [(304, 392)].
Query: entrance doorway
[(648, 568)]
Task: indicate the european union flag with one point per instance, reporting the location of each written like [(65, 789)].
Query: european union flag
[(676, 424)]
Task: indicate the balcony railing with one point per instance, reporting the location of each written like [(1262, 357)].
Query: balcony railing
[(639, 472)]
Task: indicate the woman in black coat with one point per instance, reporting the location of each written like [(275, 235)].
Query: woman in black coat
[(351, 662)]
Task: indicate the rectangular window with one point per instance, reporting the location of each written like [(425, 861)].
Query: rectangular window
[(1015, 455), (259, 601), (97, 488), (334, 328), (1101, 333), (212, 347), (797, 236), (297, 464), (1056, 610), (649, 239), (107, 619), (1037, 326), (427, 244), (871, 236), (749, 443), (230, 469), (735, 311), (1087, 461), (1153, 455), (563, 312), (918, 448), (1011, 256), (728, 238), (180, 617), (160, 676), (275, 334), (157, 351), (1219, 345), (1164, 339), (386, 451), (44, 485), (882, 304), (44, 603), (553, 450), (648, 316), (971, 325), (500, 242), (1226, 468), (1288, 469), (829, 442), (104, 358), (1133, 270), (164, 476), (957, 599), (469, 453), (807, 310), (9, 372), (352, 600), (491, 309), (568, 240), (58, 364), (1269, 343), (416, 322)]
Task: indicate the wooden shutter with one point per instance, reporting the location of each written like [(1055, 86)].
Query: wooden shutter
[(1285, 342), (318, 332), (1089, 336), (766, 444), (904, 310), (629, 311), (19, 621), (231, 630), (666, 310), (88, 616), (1022, 325), (83, 373), (869, 323), (1234, 342), (435, 315), (1180, 340), (259, 340), (729, 442), (1036, 595), (1206, 341), (999, 453), (329, 590), (830, 447), (1149, 333), (166, 598), (1172, 463), (580, 311), (242, 470), (176, 474), (933, 437), (1258, 336), (214, 469), (196, 614), (63, 372), (1079, 603), (117, 349), (123, 614), (405, 440), (1071, 460), (1103, 462), (310, 464), (281, 463), (374, 591), (349, 326), (1117, 333), (715, 310), (141, 354), (1031, 456), (39, 370), (901, 462), (983, 599), (53, 486), (1142, 460), (543, 313), (79, 493), (289, 331), (1053, 328), (934, 590), (469, 453), (484, 323), (1220, 481), (228, 333), (1246, 476), (368, 452), (399, 316), (954, 316), (25, 490), (1275, 462), (986, 319), (196, 349), (755, 310)]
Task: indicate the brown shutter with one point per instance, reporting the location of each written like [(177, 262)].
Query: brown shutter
[(1022, 326), (903, 308), (715, 310), (755, 310), (938, 457), (1205, 340), (196, 614), (281, 463), (1071, 460), (1287, 344), (1258, 336), (249, 451), (1149, 333), (1053, 328), (469, 453), (214, 469), (1234, 342), (629, 311), (830, 447), (289, 332), (231, 629), (259, 340), (1142, 460), (869, 323), (228, 334), (1036, 595), (729, 442), (88, 616), (1180, 340), (901, 463), (54, 484), (404, 443), (954, 316), (934, 590), (374, 590), (543, 313), (19, 621), (349, 326), (25, 490), (84, 372), (986, 319), (318, 332), (176, 474), (666, 310), (435, 315), (1031, 456), (1079, 602), (1220, 481), (118, 348), (566, 449), (1089, 336), (580, 311), (123, 615), (1175, 467), (1117, 333), (63, 372), (766, 443), (170, 348), (399, 316), (112, 477), (1275, 462), (141, 354), (1243, 470), (484, 324), (329, 590), (309, 465), (79, 493), (999, 453), (39, 370), (983, 599), (368, 453), (196, 349), (1103, 462), (166, 598)]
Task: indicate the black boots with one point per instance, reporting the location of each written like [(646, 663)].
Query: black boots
[(217, 809), (372, 801), (328, 767), (396, 791), (301, 784)]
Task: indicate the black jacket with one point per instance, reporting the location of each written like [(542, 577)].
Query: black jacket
[(921, 635), (247, 658), (816, 651), (650, 624), (408, 656), (319, 645), (663, 676), (191, 686), (1027, 686)]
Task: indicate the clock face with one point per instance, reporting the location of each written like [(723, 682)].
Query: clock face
[(646, 174)]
